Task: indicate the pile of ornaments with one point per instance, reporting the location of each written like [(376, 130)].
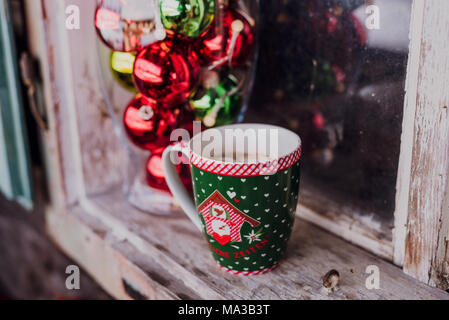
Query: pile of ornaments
[(185, 59)]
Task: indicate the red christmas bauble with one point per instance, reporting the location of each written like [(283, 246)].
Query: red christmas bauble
[(230, 39), (155, 174), (166, 72), (149, 126), (128, 25)]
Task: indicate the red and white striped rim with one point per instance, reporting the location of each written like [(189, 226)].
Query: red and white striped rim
[(248, 273), (245, 169)]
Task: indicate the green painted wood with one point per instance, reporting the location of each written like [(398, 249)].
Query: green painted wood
[(15, 180)]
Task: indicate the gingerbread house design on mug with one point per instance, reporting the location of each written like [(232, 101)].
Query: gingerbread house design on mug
[(223, 220)]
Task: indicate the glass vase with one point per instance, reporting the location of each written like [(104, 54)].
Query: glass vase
[(175, 62)]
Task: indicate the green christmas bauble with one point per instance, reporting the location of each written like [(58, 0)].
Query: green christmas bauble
[(187, 17), (122, 64), (219, 104)]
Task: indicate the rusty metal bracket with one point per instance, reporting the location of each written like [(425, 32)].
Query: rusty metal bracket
[(30, 79)]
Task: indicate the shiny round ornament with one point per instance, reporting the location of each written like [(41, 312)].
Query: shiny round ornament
[(149, 126), (155, 174), (122, 64), (166, 73), (128, 25), (230, 40), (188, 18), (217, 102)]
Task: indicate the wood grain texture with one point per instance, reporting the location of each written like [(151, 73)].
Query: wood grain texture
[(172, 254), (440, 271), (115, 273), (56, 153), (429, 138), (89, 152), (103, 159), (405, 159), (32, 267), (346, 221)]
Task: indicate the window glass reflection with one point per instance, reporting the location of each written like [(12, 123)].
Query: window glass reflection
[(340, 85)]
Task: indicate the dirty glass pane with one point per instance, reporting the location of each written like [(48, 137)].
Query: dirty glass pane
[(334, 71)]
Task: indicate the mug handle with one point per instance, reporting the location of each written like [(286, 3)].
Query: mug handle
[(176, 187)]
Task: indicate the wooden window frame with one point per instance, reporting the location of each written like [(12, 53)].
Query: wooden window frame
[(420, 234), (422, 219)]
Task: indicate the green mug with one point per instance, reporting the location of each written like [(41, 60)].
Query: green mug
[(245, 196)]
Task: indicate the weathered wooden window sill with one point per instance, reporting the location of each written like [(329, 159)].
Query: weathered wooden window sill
[(136, 255)]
